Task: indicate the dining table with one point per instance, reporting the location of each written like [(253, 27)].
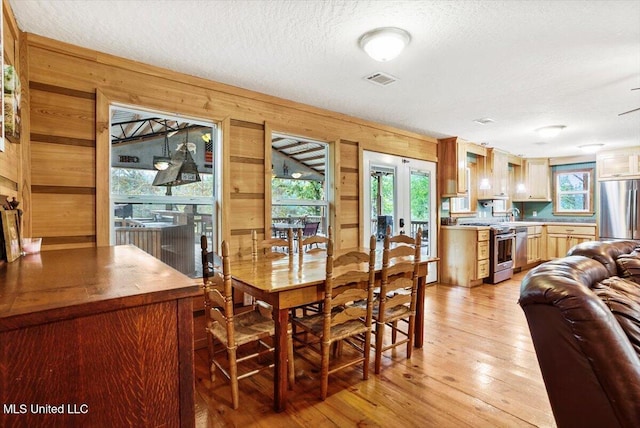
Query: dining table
[(292, 281)]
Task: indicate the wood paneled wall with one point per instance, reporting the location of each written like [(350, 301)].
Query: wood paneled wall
[(68, 122)]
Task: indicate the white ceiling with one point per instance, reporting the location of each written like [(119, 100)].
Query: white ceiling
[(524, 64)]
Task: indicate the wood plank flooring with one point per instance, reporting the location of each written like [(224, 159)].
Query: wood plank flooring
[(477, 369)]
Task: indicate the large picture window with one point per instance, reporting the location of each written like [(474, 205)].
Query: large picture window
[(162, 185), (573, 192)]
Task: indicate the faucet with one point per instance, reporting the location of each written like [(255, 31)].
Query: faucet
[(513, 212)]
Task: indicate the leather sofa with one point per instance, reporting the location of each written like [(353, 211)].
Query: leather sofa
[(583, 312)]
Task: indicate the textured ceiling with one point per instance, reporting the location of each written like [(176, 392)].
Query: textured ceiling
[(524, 64)]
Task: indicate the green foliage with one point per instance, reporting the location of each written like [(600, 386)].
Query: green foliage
[(125, 181), (288, 189)]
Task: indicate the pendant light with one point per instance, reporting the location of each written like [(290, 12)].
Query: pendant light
[(162, 162), (182, 168)]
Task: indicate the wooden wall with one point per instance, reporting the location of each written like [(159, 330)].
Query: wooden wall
[(69, 91)]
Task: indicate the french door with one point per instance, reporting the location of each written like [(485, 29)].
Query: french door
[(400, 192)]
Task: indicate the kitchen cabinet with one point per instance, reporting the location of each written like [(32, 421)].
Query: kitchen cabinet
[(465, 259), (452, 167), (616, 164), (560, 238), (534, 244), (537, 181), (497, 171), (500, 166)]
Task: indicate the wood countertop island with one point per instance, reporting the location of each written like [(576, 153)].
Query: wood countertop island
[(96, 337)]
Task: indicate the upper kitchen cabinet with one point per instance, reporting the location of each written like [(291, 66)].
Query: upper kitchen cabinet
[(452, 166), (500, 165), (537, 181), (616, 164), (495, 167)]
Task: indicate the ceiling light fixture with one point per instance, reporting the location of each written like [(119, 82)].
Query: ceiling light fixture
[(296, 175), (384, 44), (591, 148), (550, 131)]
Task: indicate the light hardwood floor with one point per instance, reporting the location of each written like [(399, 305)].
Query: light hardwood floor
[(477, 369)]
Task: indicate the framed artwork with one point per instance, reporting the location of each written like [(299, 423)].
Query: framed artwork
[(11, 233)]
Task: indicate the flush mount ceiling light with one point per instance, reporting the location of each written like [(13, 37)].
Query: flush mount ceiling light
[(590, 148), (550, 131), (384, 44)]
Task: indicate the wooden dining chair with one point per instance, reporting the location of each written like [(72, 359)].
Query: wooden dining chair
[(272, 247), (395, 306), (349, 279), (243, 336)]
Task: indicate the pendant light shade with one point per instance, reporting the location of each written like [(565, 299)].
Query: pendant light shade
[(182, 169)]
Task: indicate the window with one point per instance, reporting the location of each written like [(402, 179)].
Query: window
[(162, 185), (573, 192), (298, 183)]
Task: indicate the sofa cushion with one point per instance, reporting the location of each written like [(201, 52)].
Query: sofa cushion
[(629, 266), (622, 297)]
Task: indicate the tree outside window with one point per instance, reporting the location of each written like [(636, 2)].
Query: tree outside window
[(573, 192)]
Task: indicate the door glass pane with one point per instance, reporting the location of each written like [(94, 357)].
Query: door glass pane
[(382, 199), (420, 197), (162, 185)]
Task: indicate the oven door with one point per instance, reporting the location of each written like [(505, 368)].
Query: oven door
[(505, 249)]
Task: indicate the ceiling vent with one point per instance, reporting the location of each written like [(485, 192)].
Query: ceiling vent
[(380, 78)]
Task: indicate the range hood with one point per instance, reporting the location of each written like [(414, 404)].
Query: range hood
[(182, 170)]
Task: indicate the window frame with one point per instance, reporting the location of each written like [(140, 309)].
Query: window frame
[(589, 193)]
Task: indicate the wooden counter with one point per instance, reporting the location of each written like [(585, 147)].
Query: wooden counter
[(96, 337)]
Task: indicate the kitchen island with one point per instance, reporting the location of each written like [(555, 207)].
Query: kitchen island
[(96, 337)]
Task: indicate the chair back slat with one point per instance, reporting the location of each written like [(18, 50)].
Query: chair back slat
[(350, 313), (398, 299), (347, 295), (400, 268), (216, 297), (218, 316), (402, 251)]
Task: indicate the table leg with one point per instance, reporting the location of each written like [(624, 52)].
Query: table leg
[(281, 319), (418, 339)]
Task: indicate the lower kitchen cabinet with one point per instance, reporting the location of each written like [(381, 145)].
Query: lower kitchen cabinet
[(534, 244), (561, 238), (465, 255)]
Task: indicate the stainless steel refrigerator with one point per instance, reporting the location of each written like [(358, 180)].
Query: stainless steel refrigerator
[(619, 209)]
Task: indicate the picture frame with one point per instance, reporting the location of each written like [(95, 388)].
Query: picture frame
[(11, 234)]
